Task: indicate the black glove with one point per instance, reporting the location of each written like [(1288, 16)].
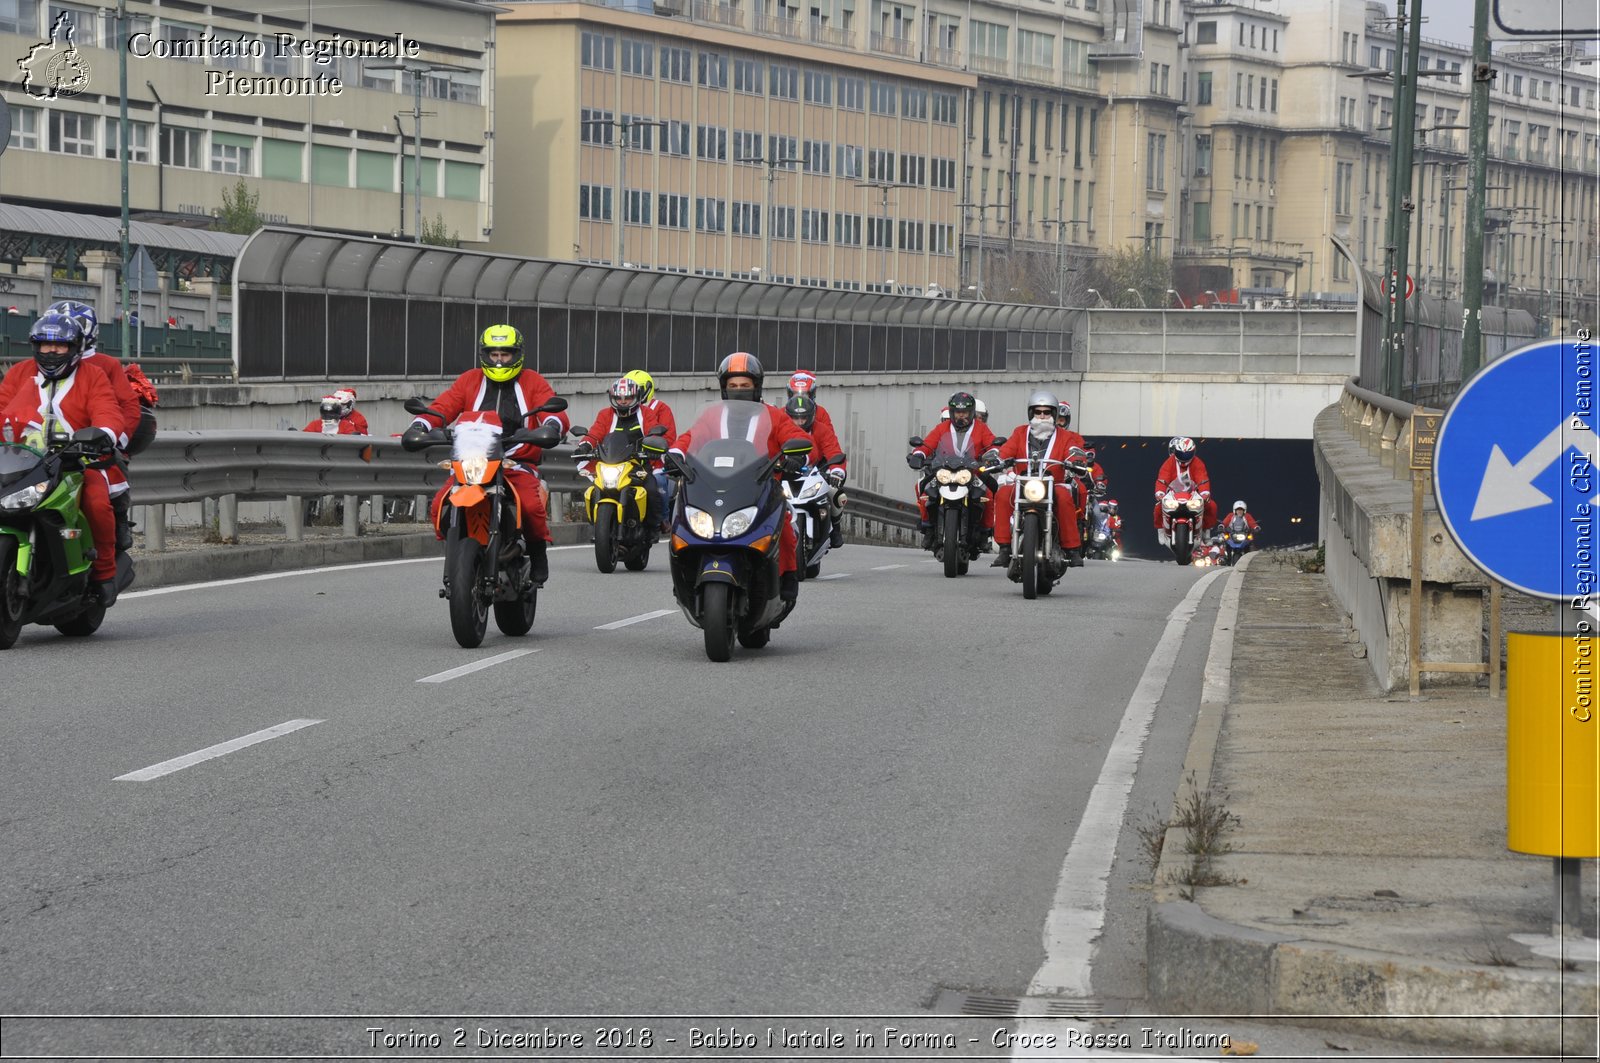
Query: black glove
[(583, 451), (916, 459), (836, 477), (415, 438), (991, 456)]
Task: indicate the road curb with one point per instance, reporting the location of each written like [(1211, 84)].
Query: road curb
[(233, 562), (1199, 964)]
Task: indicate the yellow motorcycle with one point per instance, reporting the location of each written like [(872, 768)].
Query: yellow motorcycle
[(616, 500)]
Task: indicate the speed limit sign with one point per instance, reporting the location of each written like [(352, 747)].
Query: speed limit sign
[(1394, 285)]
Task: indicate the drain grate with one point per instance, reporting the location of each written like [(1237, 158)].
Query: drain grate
[(964, 1002)]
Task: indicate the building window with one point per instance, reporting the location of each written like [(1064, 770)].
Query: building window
[(847, 229), (819, 87), (880, 165), (781, 151), (231, 158), (883, 98), (711, 142), (880, 232), (595, 127), (672, 212), (914, 103), (784, 82), (675, 139), (849, 161), (913, 170), (180, 147), (594, 202), (24, 128), (19, 16), (636, 206), (814, 226), (944, 174), (81, 19), (638, 58), (72, 133), (1202, 87), (783, 223), (746, 146), (677, 64), (747, 219), (710, 215), (852, 94), (944, 107), (818, 156), (1202, 155), (988, 39), (747, 77), (638, 132), (138, 139), (1205, 33), (713, 70), (598, 51), (942, 239), (911, 233), (1155, 174)]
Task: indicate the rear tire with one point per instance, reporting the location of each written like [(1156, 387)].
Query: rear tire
[(812, 571), (10, 595), (716, 619), (605, 538), (638, 559), (755, 640), (85, 623), (1030, 556), (954, 549), (516, 618), (469, 616)]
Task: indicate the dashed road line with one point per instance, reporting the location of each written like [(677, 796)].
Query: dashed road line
[(188, 760), (475, 666), (634, 620)]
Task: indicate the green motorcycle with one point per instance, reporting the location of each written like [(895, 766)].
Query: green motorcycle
[(46, 547)]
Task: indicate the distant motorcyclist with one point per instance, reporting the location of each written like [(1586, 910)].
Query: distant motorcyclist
[(983, 411), (53, 391), (1241, 513), (1039, 438), (804, 382), (626, 411), (804, 411), (339, 410), (136, 422), (501, 384), (663, 414), (964, 434), (1064, 424), (740, 376), (1183, 464)]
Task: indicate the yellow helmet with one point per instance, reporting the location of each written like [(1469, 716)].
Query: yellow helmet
[(640, 377), (498, 338)]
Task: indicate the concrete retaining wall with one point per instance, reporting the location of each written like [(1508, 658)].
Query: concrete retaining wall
[(1365, 515)]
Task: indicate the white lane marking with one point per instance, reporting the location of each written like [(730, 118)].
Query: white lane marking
[(634, 620), (1077, 915), (833, 575), (264, 576), (167, 767), (475, 666), (885, 568)]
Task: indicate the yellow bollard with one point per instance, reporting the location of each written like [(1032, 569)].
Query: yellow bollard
[(1552, 745)]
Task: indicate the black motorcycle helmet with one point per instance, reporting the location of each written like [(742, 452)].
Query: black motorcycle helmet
[(963, 409), (802, 411)]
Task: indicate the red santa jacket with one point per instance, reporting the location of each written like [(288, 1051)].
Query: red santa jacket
[(127, 399), (474, 391), (1015, 450), (1170, 474), (606, 421), (1250, 522), (354, 425), (664, 416), (83, 399), (825, 442), (973, 442)]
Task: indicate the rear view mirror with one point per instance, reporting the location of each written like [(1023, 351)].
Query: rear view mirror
[(658, 430), (416, 405), (553, 405), (916, 441)]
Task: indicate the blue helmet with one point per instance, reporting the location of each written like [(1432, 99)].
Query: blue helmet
[(56, 328), (83, 314)]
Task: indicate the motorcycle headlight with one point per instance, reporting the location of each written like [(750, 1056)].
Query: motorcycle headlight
[(475, 467), (964, 476), (1196, 503), (611, 475), (1034, 490), (700, 522), (737, 523), (945, 476), (26, 498), (1169, 504)]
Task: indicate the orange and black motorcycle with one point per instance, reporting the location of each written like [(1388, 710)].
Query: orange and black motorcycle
[(484, 563)]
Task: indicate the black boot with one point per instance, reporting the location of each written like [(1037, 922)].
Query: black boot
[(927, 534), (789, 586), (122, 507), (106, 591), (1003, 558), (836, 536), (540, 562), (1075, 557)]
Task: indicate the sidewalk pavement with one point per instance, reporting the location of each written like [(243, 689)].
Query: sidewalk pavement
[(1362, 877)]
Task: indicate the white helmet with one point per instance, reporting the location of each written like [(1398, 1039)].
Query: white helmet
[(982, 409), (1239, 505)]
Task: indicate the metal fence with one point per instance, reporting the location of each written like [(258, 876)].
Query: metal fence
[(163, 353)]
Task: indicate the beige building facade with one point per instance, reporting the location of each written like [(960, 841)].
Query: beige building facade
[(297, 102)]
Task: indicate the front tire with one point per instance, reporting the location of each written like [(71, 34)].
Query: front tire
[(1182, 548), (605, 538), (469, 616), (955, 550), (85, 623), (1030, 556), (716, 619), (10, 595), (802, 551)]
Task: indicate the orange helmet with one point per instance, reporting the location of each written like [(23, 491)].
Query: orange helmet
[(740, 364)]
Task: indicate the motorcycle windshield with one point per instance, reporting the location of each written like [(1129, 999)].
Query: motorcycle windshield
[(954, 452), (17, 462), (616, 447), (728, 449)]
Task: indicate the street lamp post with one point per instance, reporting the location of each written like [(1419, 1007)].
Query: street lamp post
[(122, 156), (416, 68), (624, 128), (982, 211), (1139, 296), (766, 230), (1175, 294), (1061, 247), (888, 236)]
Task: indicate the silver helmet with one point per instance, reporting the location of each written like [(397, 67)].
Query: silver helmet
[(1043, 398)]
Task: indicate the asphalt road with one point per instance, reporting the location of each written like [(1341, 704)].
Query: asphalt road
[(862, 818)]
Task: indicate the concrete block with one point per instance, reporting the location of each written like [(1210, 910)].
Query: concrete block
[(1200, 964)]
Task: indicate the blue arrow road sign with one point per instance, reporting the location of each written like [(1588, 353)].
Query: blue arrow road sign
[(1514, 469)]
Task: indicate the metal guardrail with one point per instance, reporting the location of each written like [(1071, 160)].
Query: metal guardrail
[(1382, 425), (229, 466)]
